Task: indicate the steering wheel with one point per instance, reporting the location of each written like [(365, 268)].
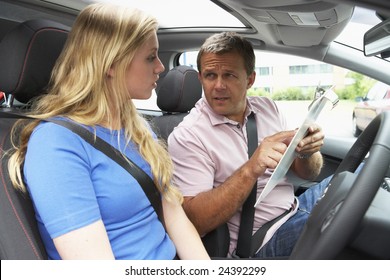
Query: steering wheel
[(336, 216)]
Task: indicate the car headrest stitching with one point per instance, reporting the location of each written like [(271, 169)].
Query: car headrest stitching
[(181, 95), (12, 203), (27, 56)]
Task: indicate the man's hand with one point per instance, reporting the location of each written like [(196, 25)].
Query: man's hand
[(269, 152), (309, 161), (312, 143)]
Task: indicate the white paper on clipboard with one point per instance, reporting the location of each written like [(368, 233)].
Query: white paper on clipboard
[(288, 157)]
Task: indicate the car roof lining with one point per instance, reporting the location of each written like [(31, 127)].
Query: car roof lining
[(283, 36), (278, 27)]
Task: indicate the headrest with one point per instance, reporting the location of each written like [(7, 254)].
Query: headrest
[(180, 90), (27, 56)]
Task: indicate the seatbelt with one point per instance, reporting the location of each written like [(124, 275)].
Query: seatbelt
[(244, 240), (143, 179), (258, 237), (248, 244)]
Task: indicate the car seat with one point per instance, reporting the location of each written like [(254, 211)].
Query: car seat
[(179, 91), (27, 56)]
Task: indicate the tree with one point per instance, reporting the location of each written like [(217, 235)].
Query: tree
[(359, 88)]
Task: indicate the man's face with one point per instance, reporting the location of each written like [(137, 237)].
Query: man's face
[(225, 83)]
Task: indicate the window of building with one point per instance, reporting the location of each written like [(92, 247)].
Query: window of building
[(311, 69), (263, 71)]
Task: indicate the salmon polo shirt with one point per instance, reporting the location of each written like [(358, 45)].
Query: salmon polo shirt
[(207, 148)]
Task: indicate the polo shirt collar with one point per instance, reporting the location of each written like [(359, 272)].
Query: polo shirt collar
[(217, 119)]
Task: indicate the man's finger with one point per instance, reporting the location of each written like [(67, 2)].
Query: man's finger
[(281, 136)]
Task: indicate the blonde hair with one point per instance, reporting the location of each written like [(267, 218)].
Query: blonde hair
[(102, 36)]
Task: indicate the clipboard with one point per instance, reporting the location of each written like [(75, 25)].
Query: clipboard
[(288, 157)]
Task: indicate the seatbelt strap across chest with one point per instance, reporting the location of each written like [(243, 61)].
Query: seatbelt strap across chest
[(244, 240)]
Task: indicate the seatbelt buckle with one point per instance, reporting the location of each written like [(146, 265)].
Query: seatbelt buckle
[(234, 254)]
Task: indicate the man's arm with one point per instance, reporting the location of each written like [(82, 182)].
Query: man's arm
[(308, 168), (209, 209), (309, 162)]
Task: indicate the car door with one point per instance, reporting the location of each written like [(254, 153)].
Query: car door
[(376, 101)]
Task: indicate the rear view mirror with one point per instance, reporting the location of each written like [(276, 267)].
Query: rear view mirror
[(377, 40)]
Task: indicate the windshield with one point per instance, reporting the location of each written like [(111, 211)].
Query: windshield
[(361, 21)]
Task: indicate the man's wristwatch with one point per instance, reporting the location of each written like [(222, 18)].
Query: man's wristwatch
[(303, 156)]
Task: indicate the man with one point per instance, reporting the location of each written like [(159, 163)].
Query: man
[(209, 151)]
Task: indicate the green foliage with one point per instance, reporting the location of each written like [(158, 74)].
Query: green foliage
[(359, 88), (258, 92), (293, 93)]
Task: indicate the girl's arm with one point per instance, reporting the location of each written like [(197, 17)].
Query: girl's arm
[(188, 244), (89, 242)]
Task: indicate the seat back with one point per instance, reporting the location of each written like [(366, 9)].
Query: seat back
[(19, 236), (27, 56), (177, 95)]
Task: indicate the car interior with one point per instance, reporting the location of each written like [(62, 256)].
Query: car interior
[(351, 222), (36, 44), (177, 95)]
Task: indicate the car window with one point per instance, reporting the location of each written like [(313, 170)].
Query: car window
[(148, 104), (378, 91), (292, 81)]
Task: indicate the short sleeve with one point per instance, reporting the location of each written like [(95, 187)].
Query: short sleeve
[(194, 170), (57, 174)]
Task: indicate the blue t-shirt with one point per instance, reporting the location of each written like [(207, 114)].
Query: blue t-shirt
[(73, 185)]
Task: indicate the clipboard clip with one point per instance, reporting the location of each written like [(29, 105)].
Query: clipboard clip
[(328, 94)]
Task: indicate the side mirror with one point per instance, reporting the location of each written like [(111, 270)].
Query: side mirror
[(377, 40)]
